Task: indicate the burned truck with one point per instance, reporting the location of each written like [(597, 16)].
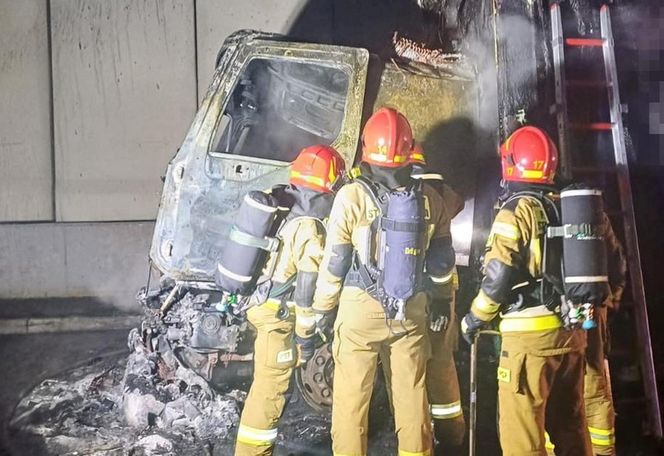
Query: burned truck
[(268, 99)]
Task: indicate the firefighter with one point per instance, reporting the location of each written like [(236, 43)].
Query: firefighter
[(441, 378), (285, 324), (384, 230), (540, 373)]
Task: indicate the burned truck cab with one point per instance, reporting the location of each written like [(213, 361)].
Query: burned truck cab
[(269, 98)]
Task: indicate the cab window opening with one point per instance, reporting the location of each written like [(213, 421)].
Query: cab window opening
[(279, 107)]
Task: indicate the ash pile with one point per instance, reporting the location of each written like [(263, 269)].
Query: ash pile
[(180, 390), (120, 405)]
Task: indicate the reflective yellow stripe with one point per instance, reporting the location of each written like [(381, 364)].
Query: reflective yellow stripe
[(505, 230), (275, 304), (532, 174), (530, 323), (415, 453), (383, 158), (313, 179), (602, 437), (602, 440), (536, 255), (428, 176), (262, 207), (547, 442), (446, 411), (305, 318), (599, 431), (378, 157), (240, 278), (332, 174), (442, 279), (485, 304), (256, 437)]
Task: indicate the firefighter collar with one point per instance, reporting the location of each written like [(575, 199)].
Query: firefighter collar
[(391, 178), (309, 203)]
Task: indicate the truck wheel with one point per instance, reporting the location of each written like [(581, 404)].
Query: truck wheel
[(314, 379)]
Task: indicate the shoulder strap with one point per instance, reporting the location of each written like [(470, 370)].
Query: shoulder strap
[(551, 283), (378, 193), (513, 200)]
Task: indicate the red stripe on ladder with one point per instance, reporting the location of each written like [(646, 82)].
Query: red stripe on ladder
[(598, 126), (587, 42)]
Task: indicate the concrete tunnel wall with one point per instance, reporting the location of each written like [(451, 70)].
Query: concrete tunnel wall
[(97, 95)]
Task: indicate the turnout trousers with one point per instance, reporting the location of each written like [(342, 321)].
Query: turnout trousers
[(362, 336), (597, 389), (598, 399), (442, 384), (540, 386), (274, 358), (443, 388)]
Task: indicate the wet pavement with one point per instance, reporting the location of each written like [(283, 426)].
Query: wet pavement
[(27, 360)]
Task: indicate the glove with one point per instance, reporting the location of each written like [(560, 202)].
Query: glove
[(306, 348), (470, 325), (325, 324), (439, 317)]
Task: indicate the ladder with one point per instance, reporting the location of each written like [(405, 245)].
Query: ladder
[(610, 170)]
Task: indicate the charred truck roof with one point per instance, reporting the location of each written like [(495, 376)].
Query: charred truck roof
[(268, 99)]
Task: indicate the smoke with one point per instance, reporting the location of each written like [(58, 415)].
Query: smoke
[(506, 41), (108, 263), (480, 49), (638, 27), (120, 291)]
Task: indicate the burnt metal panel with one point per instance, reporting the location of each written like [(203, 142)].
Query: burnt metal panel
[(443, 111)]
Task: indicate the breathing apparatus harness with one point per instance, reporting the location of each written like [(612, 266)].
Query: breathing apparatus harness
[(399, 228), (573, 265), (255, 254)]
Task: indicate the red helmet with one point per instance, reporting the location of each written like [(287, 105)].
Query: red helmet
[(318, 168), (387, 139), (417, 155), (529, 155)]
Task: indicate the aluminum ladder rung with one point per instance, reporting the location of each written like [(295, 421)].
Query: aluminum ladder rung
[(584, 42), (594, 170), (586, 84), (594, 126)]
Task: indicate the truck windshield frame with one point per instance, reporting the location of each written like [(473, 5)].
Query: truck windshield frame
[(279, 105)]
